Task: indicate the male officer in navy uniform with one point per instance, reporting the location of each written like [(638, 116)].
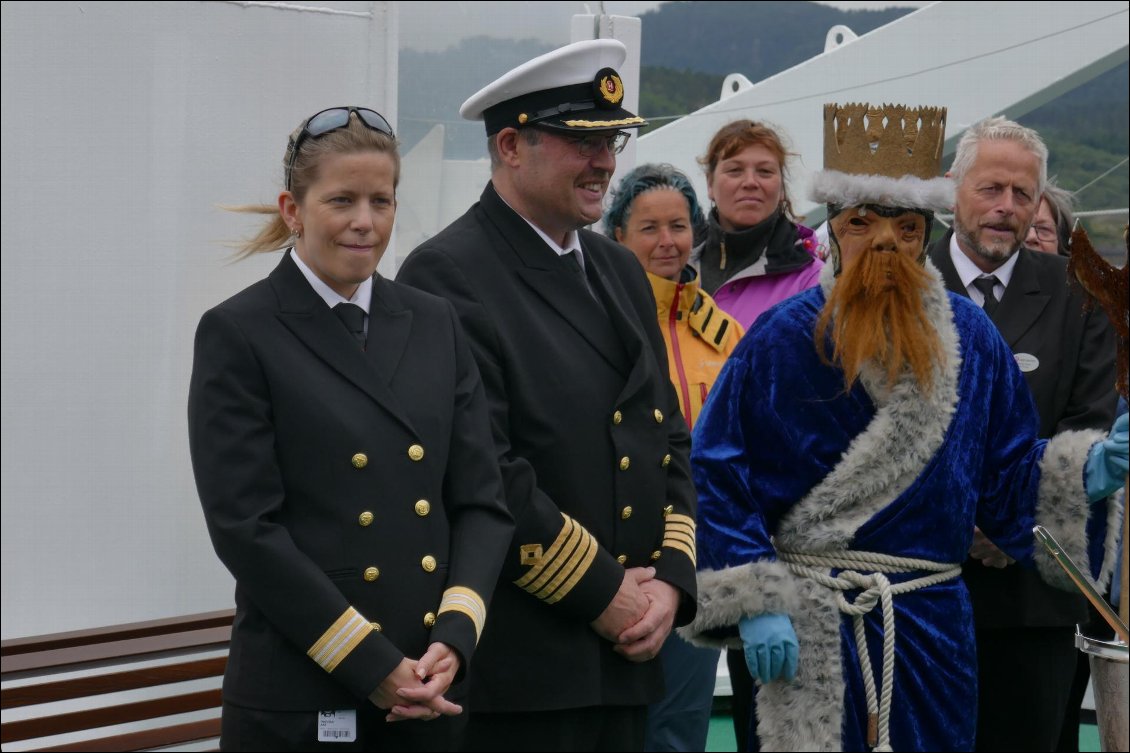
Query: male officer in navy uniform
[(592, 447)]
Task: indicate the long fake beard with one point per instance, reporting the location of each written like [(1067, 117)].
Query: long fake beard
[(876, 314)]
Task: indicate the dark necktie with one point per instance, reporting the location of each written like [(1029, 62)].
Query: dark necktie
[(986, 285), (353, 317), (574, 262)]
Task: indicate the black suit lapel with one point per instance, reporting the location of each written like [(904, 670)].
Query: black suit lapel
[(607, 285), (940, 256), (308, 317), (1023, 301), (550, 277), (390, 327)]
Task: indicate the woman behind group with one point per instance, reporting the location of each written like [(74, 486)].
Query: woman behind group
[(755, 255), (654, 212), (1054, 220), (341, 450)]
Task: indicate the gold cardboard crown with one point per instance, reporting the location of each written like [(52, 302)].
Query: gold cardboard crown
[(892, 140)]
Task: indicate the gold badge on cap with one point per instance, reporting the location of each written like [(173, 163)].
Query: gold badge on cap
[(609, 90)]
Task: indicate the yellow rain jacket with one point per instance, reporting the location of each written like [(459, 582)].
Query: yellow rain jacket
[(699, 337)]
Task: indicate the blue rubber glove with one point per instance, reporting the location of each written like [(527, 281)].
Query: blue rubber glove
[(1108, 461), (770, 646)]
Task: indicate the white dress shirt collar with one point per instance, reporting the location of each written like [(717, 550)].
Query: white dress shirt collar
[(968, 272), (329, 295)]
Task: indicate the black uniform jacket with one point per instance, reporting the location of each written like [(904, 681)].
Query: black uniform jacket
[(353, 495), (1042, 316), (593, 451)]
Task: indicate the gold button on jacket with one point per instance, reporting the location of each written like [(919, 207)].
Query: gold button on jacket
[(360, 460), (658, 416), (622, 559), (372, 573), (416, 452), (423, 507), (617, 417), (668, 510), (428, 563), (666, 460), (625, 462), (626, 512), (429, 619), (365, 518)]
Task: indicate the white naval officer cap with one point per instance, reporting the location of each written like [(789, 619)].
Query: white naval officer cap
[(572, 88)]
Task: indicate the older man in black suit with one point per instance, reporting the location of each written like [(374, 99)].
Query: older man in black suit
[(1025, 628), (593, 449)]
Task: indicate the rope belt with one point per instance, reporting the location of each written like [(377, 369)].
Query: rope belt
[(876, 590)]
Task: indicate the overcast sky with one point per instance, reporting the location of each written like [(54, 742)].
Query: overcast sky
[(438, 24)]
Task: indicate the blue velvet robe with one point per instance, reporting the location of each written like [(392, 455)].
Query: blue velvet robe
[(784, 457)]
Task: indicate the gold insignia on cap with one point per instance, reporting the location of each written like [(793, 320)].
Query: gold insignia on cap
[(609, 85), (523, 118)]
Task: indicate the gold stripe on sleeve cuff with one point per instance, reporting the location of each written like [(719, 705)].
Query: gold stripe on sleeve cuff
[(460, 599), (679, 533), (342, 637), (567, 530), (583, 562), (566, 562)]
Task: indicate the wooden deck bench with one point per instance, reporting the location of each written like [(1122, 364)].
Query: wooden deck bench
[(59, 684)]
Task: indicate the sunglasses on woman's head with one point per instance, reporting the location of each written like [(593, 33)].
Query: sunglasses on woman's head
[(328, 121)]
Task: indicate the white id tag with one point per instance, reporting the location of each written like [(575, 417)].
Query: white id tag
[(337, 726)]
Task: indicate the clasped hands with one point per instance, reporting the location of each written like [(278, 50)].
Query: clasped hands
[(640, 616), (414, 690)]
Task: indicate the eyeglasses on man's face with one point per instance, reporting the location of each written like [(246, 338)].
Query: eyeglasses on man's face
[(333, 119), (590, 145)]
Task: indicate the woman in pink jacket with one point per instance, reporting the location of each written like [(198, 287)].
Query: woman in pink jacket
[(755, 253)]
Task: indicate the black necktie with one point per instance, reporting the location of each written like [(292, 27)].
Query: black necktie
[(574, 262), (353, 317), (986, 285)]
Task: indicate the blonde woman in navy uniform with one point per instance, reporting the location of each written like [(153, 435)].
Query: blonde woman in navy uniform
[(343, 457)]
